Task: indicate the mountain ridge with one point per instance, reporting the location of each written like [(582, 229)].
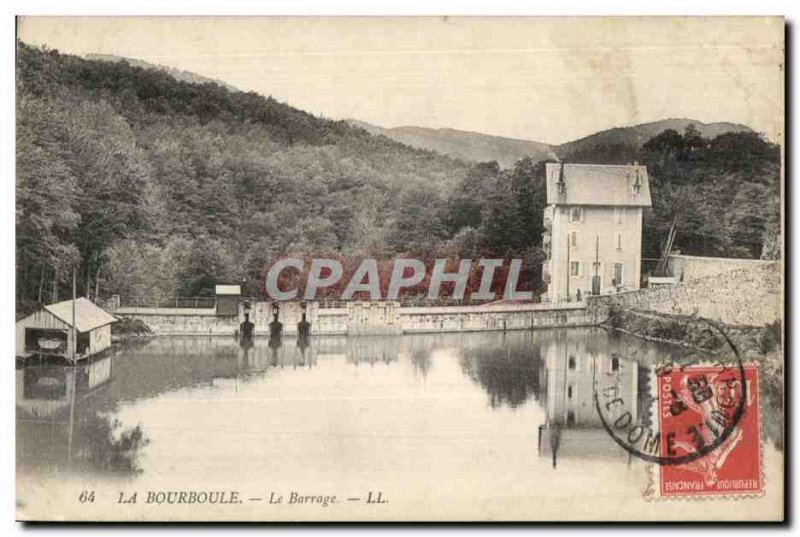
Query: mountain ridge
[(479, 147), (637, 135), (465, 145), (473, 146)]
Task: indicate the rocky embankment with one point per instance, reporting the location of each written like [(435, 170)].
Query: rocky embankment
[(130, 329)]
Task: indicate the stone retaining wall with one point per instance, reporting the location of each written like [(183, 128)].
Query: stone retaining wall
[(367, 318), (690, 267), (750, 296)]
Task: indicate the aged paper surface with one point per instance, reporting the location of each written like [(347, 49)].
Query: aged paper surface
[(400, 269)]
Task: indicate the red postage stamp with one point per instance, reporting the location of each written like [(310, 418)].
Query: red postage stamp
[(702, 407)]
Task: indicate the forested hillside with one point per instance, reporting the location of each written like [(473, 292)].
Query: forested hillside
[(622, 142), (177, 74), (153, 187), (150, 185)]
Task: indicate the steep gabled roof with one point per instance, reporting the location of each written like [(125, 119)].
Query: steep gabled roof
[(598, 184), (87, 315)]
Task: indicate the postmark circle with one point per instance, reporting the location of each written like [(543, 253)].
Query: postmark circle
[(698, 405)]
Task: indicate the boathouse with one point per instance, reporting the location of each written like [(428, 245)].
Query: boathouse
[(48, 331)]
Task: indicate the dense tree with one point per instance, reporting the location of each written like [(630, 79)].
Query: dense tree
[(45, 217), (81, 182), (466, 200), (722, 192)]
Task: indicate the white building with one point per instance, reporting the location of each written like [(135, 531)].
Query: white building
[(593, 228)]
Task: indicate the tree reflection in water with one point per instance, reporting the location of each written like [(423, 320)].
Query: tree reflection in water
[(111, 449), (421, 358), (509, 371), (65, 423)]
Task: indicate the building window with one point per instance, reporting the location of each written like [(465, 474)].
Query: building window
[(569, 392), (618, 241), (615, 363), (574, 268), (571, 362), (573, 239), (619, 215), (575, 214), (618, 274)]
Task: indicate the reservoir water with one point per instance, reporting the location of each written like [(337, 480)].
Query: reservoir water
[(440, 426)]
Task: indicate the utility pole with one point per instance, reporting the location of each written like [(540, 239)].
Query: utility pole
[(596, 286), (74, 346), (41, 282), (568, 268)]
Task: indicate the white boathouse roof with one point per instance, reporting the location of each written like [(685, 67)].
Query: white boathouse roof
[(87, 315)]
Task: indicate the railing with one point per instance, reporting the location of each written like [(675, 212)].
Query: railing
[(406, 302), (324, 303), (200, 302)]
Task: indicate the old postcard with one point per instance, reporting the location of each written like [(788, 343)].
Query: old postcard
[(399, 269)]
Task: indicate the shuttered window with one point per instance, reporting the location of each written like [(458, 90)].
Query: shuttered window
[(573, 239)]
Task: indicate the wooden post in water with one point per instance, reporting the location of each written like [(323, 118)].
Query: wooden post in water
[(71, 414)]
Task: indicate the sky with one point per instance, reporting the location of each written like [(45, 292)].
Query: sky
[(546, 79)]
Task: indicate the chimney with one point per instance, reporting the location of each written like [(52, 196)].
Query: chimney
[(562, 185)]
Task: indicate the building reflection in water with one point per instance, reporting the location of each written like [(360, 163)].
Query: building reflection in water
[(372, 349), (252, 357), (62, 420), (573, 428)]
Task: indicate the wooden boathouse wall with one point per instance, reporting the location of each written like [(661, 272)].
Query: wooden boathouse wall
[(41, 319), (99, 338)]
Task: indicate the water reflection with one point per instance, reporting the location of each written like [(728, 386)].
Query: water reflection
[(537, 385), (508, 368), (572, 427), (63, 424)]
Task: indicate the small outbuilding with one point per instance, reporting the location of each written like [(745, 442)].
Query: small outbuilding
[(48, 331), (228, 299)]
